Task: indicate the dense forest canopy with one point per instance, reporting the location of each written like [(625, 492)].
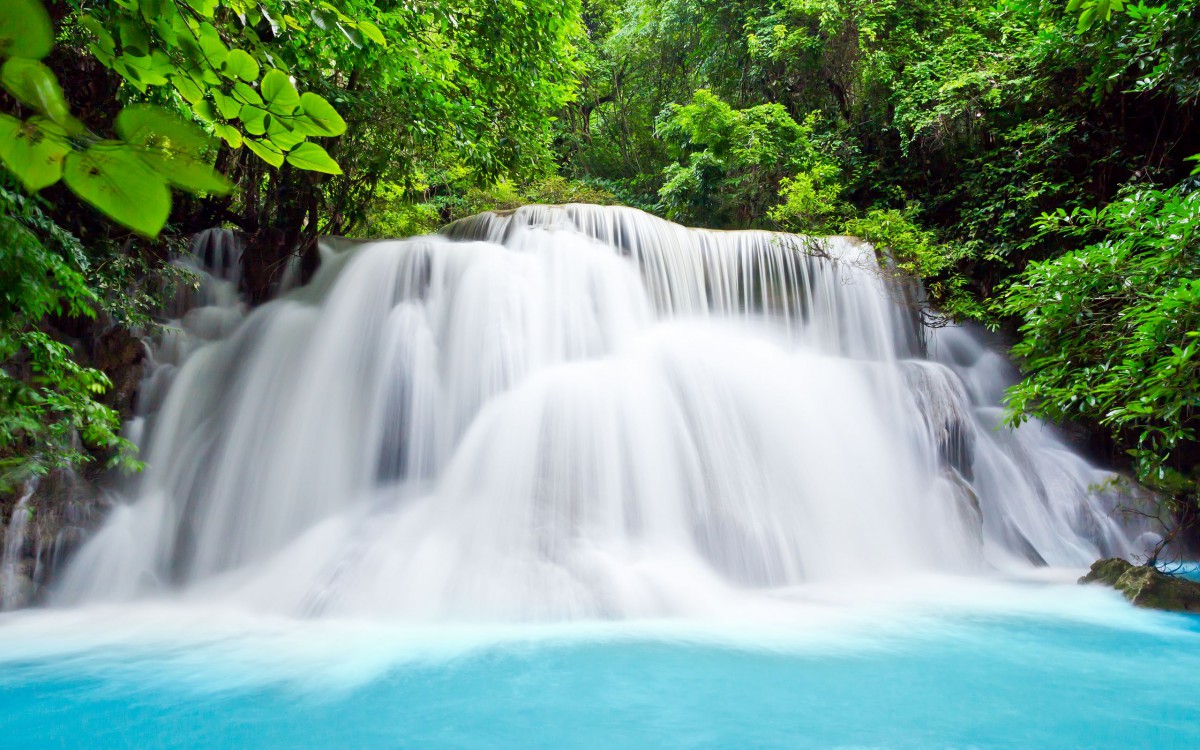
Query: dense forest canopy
[(1032, 161)]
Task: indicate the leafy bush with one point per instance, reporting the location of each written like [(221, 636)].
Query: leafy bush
[(47, 399), (732, 161), (1110, 330)]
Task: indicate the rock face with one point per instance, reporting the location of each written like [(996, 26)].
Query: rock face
[(41, 531), (1146, 586)]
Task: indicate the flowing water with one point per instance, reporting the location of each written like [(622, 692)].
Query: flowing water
[(575, 476)]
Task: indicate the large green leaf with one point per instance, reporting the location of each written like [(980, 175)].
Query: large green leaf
[(312, 157), (226, 105), (254, 119), (153, 127), (187, 173), (36, 85), (187, 88), (246, 95), (134, 39), (372, 32), (241, 65), (114, 178), (283, 136), (211, 47), (24, 29), (33, 150), (230, 134), (266, 151), (140, 70), (205, 8), (104, 40), (352, 34), (280, 93), (323, 118), (178, 150)]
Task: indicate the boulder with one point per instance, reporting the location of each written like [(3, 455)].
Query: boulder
[(1146, 586)]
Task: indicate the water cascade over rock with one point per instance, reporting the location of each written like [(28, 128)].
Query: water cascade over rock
[(578, 411)]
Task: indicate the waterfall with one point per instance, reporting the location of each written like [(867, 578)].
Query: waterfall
[(14, 580), (578, 411)]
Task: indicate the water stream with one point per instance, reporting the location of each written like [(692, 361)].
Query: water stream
[(585, 438)]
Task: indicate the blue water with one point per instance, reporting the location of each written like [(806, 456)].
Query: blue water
[(943, 679)]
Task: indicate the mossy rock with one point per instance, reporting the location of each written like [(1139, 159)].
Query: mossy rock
[(1146, 586)]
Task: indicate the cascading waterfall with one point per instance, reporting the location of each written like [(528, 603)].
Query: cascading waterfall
[(578, 411)]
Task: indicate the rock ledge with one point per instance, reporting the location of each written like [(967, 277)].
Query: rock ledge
[(1146, 586)]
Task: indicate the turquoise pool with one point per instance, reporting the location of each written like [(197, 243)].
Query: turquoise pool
[(1084, 670)]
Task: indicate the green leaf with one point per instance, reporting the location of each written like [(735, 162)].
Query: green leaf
[(254, 119), (312, 157), (213, 49), (141, 69), (205, 8), (205, 111), (351, 34), (274, 19), (113, 178), (153, 127), (1086, 19), (241, 65), (226, 105), (266, 151), (372, 32), (247, 95), (134, 40), (230, 134), (34, 84), (283, 136), (187, 172), (103, 38), (280, 93), (322, 19), (33, 150), (24, 29), (325, 119), (187, 88)]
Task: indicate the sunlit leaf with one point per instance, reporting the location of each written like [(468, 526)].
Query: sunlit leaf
[(187, 88), (154, 127), (113, 178), (372, 32), (35, 85), (312, 157), (229, 134), (241, 65), (246, 95), (24, 29), (33, 150), (324, 118), (226, 105), (254, 119), (103, 38), (279, 92), (266, 151)]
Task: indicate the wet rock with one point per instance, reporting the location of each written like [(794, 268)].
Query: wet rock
[(1146, 586), (40, 533)]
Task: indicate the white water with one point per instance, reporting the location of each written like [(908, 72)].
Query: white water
[(579, 412), (15, 539)]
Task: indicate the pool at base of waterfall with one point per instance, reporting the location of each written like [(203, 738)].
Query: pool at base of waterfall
[(1036, 667)]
